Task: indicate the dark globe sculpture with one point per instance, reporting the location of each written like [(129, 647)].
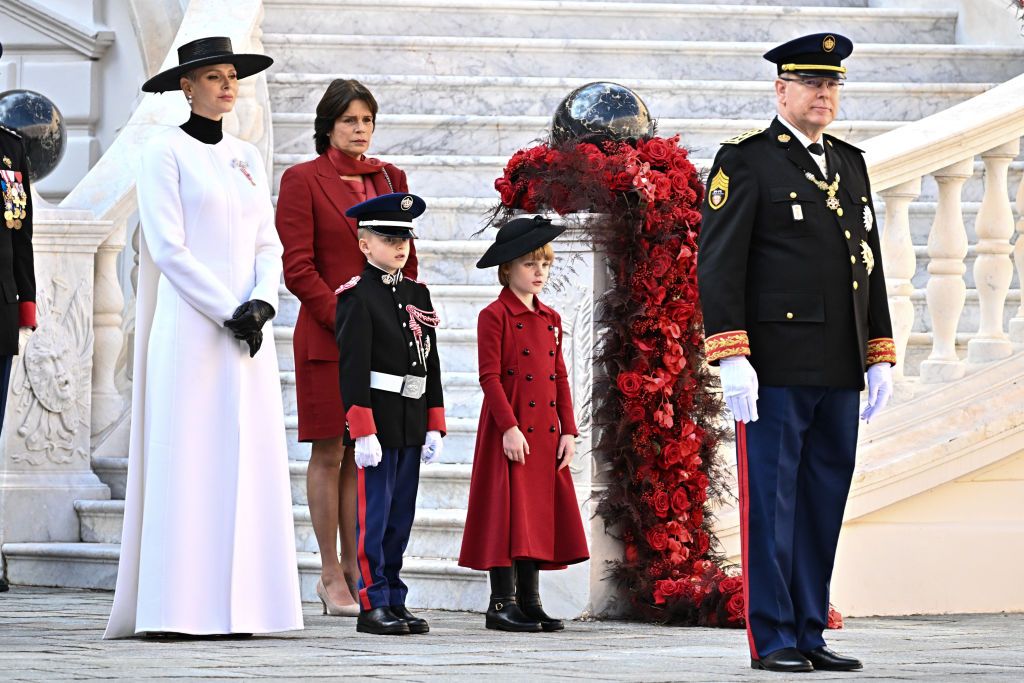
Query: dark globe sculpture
[(599, 112), (41, 126)]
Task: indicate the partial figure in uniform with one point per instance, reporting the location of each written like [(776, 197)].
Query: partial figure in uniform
[(523, 514), (208, 545), (390, 377), (17, 272), (321, 252), (795, 312)]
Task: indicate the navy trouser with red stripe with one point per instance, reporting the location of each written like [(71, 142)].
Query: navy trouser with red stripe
[(386, 507), (795, 464)]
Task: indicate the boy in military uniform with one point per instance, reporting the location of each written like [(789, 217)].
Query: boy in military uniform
[(796, 313), (390, 378)]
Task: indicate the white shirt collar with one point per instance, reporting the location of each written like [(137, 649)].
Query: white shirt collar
[(804, 140)]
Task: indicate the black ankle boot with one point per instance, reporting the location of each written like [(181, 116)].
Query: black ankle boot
[(503, 614), (528, 595)]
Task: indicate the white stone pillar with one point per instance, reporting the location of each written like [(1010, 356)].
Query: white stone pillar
[(946, 290), (108, 404), (993, 269), (1017, 322), (900, 263)]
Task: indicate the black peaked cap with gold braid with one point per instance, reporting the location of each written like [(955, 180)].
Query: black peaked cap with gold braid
[(819, 54)]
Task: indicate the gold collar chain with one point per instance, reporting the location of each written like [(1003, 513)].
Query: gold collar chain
[(830, 189)]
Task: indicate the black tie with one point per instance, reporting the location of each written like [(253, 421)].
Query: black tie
[(816, 148)]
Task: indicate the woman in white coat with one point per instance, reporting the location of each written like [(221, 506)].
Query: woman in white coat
[(208, 543)]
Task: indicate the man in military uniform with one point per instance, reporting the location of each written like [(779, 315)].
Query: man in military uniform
[(390, 377), (795, 312)]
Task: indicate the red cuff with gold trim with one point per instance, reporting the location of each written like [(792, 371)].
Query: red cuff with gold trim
[(435, 420), (360, 422), (881, 350), (27, 314), (725, 344)]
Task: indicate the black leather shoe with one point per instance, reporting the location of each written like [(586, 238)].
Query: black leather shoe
[(537, 612), (504, 614), (380, 621), (825, 659), (786, 659), (416, 624)]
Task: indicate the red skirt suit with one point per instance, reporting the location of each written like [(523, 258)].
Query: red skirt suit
[(321, 252), (522, 510)]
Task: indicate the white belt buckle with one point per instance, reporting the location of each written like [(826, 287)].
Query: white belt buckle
[(414, 386)]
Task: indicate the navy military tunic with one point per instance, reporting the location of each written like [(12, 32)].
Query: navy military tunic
[(17, 273)]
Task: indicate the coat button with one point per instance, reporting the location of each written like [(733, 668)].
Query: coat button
[(533, 404), (789, 316), (864, 199), (551, 328), (529, 429), (551, 352), (847, 233), (855, 285), (792, 195), (526, 352), (511, 371), (414, 363), (552, 404), (552, 428), (519, 326), (399, 306), (551, 377), (529, 378), (853, 259), (410, 344)]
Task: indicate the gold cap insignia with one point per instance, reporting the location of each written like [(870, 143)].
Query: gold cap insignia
[(828, 44), (784, 137), (406, 203), (718, 191)]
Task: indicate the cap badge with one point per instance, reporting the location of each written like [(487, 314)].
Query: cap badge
[(828, 44), (406, 203), (719, 190)]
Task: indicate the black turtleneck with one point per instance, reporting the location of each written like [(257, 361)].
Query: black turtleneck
[(203, 129)]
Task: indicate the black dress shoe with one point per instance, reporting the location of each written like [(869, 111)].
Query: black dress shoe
[(416, 624), (825, 659), (380, 621), (503, 614), (786, 659)]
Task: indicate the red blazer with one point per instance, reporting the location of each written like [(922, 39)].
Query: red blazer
[(321, 249)]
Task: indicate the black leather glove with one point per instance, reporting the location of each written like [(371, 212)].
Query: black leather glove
[(254, 340), (249, 317)]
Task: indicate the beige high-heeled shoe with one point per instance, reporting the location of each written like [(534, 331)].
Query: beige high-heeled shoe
[(332, 608)]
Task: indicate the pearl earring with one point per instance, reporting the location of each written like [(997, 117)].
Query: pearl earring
[(189, 98)]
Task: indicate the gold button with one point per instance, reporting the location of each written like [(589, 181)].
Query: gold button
[(792, 195), (839, 211), (847, 234), (789, 316), (855, 285), (853, 259), (864, 199)]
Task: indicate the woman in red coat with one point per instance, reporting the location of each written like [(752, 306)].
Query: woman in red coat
[(523, 515), (321, 252)]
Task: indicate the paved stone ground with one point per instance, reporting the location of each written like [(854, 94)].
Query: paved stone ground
[(50, 634)]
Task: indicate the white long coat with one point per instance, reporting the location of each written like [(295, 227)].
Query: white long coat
[(208, 542)]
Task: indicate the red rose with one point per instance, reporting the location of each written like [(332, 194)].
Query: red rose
[(660, 265), (629, 383), (661, 504), (701, 542), (657, 537), (667, 588), (635, 412), (835, 619), (631, 552), (657, 151), (680, 501), (735, 607), (672, 453), (730, 584)]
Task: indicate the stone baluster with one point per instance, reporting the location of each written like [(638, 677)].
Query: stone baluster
[(108, 405), (993, 269), (947, 291), (900, 263), (1017, 322)]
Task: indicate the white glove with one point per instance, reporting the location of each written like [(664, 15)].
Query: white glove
[(23, 334), (739, 386), (368, 451), (432, 447), (879, 390)]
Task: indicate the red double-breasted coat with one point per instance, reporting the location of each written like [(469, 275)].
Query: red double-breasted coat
[(321, 252), (522, 510)]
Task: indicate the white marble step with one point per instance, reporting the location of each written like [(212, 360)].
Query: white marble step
[(621, 59), (607, 20), (504, 135), (436, 533), (539, 96), (432, 583)]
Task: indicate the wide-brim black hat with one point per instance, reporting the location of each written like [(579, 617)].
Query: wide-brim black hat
[(202, 52), (518, 237)]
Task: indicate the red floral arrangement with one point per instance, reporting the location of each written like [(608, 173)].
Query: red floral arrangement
[(656, 414)]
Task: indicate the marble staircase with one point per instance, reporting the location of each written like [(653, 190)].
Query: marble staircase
[(462, 84)]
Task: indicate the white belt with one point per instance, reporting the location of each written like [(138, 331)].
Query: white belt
[(409, 386), (386, 382)]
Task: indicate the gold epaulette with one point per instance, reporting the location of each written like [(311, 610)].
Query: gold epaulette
[(737, 139)]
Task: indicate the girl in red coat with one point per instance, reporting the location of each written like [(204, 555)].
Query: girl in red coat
[(523, 515)]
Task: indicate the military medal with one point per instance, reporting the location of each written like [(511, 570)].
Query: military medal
[(869, 220), (867, 255), (7, 161), (828, 188)]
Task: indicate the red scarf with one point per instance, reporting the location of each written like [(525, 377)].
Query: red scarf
[(347, 166)]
